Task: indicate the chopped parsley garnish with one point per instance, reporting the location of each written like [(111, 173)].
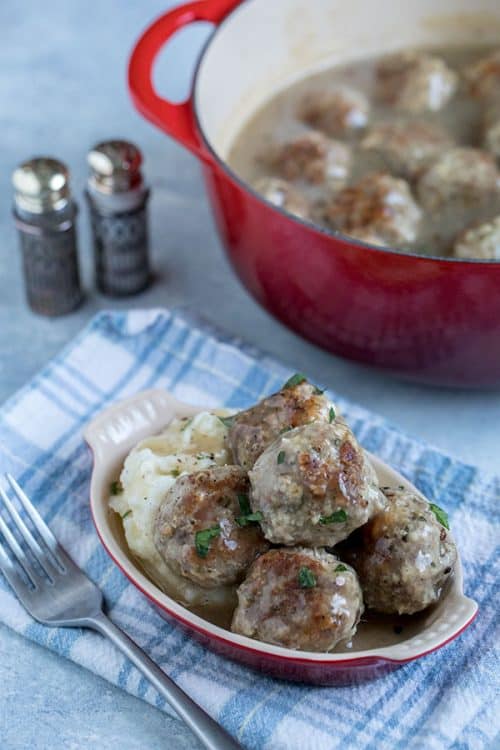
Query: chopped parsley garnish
[(340, 568), (281, 457), (318, 391), (116, 488), (244, 504), (227, 421), (203, 539), (174, 472), (296, 379), (286, 429), (338, 516), (441, 515), (126, 514), (307, 579), (331, 414), (249, 518)]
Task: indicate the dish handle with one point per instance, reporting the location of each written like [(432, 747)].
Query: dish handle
[(177, 120), (116, 430)]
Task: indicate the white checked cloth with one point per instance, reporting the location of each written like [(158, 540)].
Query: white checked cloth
[(448, 699)]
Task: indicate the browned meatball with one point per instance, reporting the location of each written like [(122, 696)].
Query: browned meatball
[(483, 77), (379, 205), (415, 81), (314, 485), (299, 598), (404, 555), (285, 196), (481, 242), (407, 148), (338, 112), (296, 404), (313, 158), (203, 530), (465, 175)]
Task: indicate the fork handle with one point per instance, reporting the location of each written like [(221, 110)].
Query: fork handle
[(210, 734)]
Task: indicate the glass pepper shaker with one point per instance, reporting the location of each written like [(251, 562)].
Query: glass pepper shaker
[(45, 215), (117, 199)]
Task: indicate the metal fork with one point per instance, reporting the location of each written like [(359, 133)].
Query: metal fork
[(56, 592)]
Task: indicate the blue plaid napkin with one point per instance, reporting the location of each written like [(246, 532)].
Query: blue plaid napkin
[(448, 699)]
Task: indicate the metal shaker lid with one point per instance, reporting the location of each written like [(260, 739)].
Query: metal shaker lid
[(41, 184), (115, 166)]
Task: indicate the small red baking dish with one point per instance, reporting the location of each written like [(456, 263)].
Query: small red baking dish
[(113, 433)]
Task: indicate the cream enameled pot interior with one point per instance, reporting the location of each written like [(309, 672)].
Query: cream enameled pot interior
[(112, 434), (265, 45)]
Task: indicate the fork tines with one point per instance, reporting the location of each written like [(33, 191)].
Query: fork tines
[(46, 554)]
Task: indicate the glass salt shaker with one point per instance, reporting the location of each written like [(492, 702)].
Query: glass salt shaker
[(45, 215), (117, 198)]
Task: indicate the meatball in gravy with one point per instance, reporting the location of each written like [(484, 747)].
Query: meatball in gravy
[(403, 556), (483, 77), (480, 242), (299, 598), (284, 195), (415, 81), (204, 529), (379, 205), (462, 175), (297, 403), (314, 158), (338, 112), (314, 485), (407, 148)]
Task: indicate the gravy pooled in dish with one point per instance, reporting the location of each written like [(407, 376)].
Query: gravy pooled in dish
[(400, 151), (271, 522)]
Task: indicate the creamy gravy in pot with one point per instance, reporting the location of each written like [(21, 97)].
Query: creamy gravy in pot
[(278, 122)]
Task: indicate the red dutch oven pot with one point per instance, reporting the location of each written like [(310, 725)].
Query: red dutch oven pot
[(436, 320)]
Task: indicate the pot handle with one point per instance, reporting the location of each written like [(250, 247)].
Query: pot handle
[(177, 120)]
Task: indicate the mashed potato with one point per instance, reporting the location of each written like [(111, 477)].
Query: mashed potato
[(150, 469)]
